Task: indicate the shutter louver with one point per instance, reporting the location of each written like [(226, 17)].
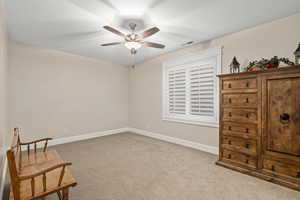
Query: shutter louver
[(177, 91), (202, 90)]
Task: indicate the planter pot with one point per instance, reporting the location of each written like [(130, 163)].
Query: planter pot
[(254, 69), (271, 65)]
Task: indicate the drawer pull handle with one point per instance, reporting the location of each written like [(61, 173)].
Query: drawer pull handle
[(229, 114), (229, 128), (229, 142), (247, 84), (229, 85), (247, 146), (229, 100), (247, 115), (247, 100), (284, 118), (273, 168), (247, 161), (247, 130), (229, 156)]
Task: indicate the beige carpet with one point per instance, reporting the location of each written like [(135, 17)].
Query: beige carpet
[(132, 167)]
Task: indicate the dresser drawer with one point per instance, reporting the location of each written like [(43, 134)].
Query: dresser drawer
[(240, 100), (282, 169), (240, 145), (239, 130), (239, 158), (250, 83), (240, 115)]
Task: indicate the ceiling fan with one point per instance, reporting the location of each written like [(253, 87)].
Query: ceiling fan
[(134, 41)]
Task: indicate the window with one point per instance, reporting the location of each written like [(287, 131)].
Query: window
[(190, 88)]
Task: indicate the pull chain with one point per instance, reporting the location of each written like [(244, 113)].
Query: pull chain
[(134, 58)]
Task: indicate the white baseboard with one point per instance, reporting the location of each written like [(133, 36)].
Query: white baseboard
[(186, 143), (3, 174), (76, 138), (194, 145)]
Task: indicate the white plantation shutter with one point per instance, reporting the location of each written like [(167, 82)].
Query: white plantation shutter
[(177, 91), (202, 90), (190, 89)]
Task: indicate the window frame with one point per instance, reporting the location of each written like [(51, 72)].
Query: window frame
[(188, 61)]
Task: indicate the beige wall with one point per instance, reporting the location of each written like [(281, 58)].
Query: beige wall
[(3, 76), (279, 38), (55, 94)]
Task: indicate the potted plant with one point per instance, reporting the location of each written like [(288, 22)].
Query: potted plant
[(266, 64)]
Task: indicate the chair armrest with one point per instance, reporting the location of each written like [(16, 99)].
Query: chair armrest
[(44, 178), (42, 172), (35, 141), (35, 144)]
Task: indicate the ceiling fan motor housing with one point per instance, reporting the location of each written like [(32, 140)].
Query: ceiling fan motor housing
[(132, 37), (132, 26)]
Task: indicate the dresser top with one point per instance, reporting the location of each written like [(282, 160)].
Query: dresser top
[(280, 69)]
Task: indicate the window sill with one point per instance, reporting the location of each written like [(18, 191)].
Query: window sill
[(207, 124)]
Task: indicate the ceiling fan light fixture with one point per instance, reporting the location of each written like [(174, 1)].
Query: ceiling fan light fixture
[(133, 45)]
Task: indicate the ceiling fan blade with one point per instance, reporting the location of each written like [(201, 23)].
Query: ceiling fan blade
[(111, 44), (154, 45), (115, 31), (149, 32)]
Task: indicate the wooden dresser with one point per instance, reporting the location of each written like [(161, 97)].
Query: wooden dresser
[(260, 124)]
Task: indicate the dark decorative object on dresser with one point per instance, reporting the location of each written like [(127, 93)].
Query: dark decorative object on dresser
[(260, 124), (297, 55), (234, 66)]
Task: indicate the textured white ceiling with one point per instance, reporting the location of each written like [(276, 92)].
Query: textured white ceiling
[(76, 25)]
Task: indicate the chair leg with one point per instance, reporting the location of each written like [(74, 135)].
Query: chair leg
[(59, 195), (66, 194)]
